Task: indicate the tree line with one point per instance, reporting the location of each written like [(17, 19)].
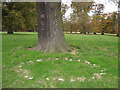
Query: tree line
[(21, 16), (18, 16), (99, 22)]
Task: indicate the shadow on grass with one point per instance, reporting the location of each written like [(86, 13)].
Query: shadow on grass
[(20, 34), (35, 33), (112, 35), (93, 34)]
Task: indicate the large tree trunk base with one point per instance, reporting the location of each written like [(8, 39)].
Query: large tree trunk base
[(50, 48)]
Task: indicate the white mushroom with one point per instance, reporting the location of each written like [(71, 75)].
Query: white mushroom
[(39, 60), (47, 78), (61, 79), (30, 78)]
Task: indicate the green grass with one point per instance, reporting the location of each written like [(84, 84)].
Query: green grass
[(19, 62)]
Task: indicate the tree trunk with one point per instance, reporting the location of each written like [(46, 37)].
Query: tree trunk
[(71, 32), (118, 35), (94, 33), (102, 33), (118, 28), (50, 30), (82, 32), (10, 31)]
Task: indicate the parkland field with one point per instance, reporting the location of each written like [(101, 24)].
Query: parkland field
[(93, 62)]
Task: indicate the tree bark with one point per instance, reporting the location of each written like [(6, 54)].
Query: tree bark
[(50, 30)]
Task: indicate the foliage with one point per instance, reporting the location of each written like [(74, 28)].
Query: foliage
[(71, 24), (21, 16), (79, 20), (105, 23), (18, 16), (84, 22), (82, 6), (83, 19)]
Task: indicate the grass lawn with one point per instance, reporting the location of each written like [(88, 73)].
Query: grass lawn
[(93, 63)]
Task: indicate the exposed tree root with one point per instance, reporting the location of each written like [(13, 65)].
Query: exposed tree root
[(51, 48)]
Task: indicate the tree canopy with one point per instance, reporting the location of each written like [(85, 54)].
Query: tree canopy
[(18, 16)]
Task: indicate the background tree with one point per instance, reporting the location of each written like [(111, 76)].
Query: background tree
[(18, 16), (81, 9), (94, 24), (67, 25), (102, 25), (112, 22), (118, 30), (117, 27), (97, 10), (84, 22), (71, 24)]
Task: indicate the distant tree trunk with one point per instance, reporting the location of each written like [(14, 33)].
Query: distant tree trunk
[(50, 30), (71, 32), (102, 33), (82, 32), (70, 28), (118, 35), (94, 33), (10, 31)]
